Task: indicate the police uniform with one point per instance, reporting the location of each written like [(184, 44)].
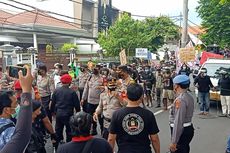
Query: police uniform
[(181, 114), (109, 103)]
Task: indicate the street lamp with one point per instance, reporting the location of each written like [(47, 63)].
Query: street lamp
[(33, 51), (72, 52), (5, 48)]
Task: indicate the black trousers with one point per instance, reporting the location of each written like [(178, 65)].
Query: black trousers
[(105, 133), (185, 139), (91, 109), (62, 121), (84, 107), (45, 104)]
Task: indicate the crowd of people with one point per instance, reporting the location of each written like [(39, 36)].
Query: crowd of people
[(117, 99)]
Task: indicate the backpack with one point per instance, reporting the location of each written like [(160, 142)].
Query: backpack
[(4, 127)]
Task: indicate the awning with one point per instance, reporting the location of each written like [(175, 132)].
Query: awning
[(8, 39)]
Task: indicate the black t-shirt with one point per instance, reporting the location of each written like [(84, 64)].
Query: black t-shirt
[(99, 146), (204, 83), (224, 84), (168, 84), (133, 125)]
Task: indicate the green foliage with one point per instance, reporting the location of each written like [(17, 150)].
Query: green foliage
[(129, 34), (215, 15), (67, 46)]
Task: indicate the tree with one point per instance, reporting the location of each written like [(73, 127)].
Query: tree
[(124, 34), (161, 29), (67, 46), (215, 15), (129, 34)]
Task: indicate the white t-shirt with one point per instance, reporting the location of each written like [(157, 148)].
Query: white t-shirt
[(57, 81)]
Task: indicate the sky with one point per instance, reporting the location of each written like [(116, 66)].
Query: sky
[(158, 7), (136, 7)]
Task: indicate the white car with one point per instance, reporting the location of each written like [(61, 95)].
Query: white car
[(212, 65)]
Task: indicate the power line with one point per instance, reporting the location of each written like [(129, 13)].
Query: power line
[(52, 12), (48, 16), (193, 23)]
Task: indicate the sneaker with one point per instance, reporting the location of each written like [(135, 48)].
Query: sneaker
[(201, 113), (223, 115)]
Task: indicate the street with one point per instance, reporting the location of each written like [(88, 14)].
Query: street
[(210, 133), (210, 136)]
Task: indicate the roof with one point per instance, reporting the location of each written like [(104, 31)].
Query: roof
[(4, 15), (36, 17), (195, 30)]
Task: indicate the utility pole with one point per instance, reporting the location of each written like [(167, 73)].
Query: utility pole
[(185, 24)]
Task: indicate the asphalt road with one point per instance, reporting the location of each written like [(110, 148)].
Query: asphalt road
[(211, 132)]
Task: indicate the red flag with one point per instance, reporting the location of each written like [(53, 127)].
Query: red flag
[(206, 55)]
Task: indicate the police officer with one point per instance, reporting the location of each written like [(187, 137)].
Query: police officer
[(109, 103), (181, 114), (92, 93)]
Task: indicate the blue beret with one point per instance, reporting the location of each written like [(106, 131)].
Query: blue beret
[(181, 79)]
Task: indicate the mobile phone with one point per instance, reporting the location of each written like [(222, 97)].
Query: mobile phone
[(13, 71)]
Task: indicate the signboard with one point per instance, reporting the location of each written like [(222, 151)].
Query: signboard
[(123, 59), (141, 52), (187, 54)]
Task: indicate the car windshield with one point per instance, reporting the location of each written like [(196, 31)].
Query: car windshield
[(212, 67)]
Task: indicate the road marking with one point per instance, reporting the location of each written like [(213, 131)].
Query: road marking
[(161, 111)]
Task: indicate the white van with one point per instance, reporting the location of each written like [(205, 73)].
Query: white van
[(212, 65)]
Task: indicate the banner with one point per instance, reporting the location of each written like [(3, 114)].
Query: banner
[(141, 52), (123, 59), (206, 55), (187, 54)]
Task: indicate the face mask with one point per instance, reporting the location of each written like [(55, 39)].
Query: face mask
[(15, 115), (39, 72), (56, 71), (146, 70), (112, 88), (95, 71), (81, 69), (205, 74), (184, 67), (120, 76)]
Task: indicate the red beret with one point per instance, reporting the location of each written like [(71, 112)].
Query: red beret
[(66, 79), (17, 85)]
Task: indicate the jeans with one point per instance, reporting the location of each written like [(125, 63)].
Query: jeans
[(228, 145), (204, 101)]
